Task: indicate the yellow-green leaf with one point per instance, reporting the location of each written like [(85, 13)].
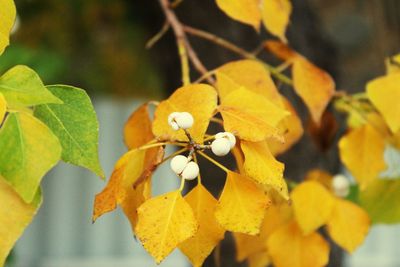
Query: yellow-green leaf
[(348, 225), (361, 151), (198, 247), (251, 116), (164, 222), (383, 93), (28, 151), (7, 18), (137, 130), (15, 216), (262, 167), (312, 205), (198, 99), (3, 107), (276, 16), (288, 247), (378, 197), (245, 11), (242, 205), (22, 87), (249, 74)]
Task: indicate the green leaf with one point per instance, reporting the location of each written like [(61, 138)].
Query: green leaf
[(381, 200), (28, 151), (22, 87), (75, 124)]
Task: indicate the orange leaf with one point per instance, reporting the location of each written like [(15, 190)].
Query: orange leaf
[(281, 50), (312, 205), (323, 134), (242, 205), (361, 151), (198, 247), (198, 99), (288, 247), (137, 130), (259, 259), (348, 225), (245, 11), (276, 16)]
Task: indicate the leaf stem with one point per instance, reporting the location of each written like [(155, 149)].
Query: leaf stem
[(216, 163), (182, 184), (195, 160), (153, 40)]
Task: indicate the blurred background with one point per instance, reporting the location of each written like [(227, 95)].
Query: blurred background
[(99, 45)]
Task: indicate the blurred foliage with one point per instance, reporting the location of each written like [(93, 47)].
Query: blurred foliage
[(93, 44)]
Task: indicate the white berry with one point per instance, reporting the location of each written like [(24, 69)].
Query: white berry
[(178, 164), (191, 171), (221, 146), (172, 120), (227, 135), (184, 120), (340, 185)]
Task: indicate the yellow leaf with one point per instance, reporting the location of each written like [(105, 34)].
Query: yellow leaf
[(262, 167), (164, 223), (393, 64), (276, 16), (313, 85), (321, 177), (384, 93), (245, 11), (288, 247), (198, 99), (198, 247), (312, 205), (291, 128), (242, 205), (137, 130), (249, 74), (260, 259), (7, 18), (251, 116), (281, 50), (348, 225), (3, 107), (133, 166), (361, 151), (248, 245), (15, 215)]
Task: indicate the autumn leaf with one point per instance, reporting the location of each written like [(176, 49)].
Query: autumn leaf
[(245, 11), (259, 259), (281, 50), (200, 100), (320, 176), (384, 93), (7, 15), (251, 116), (262, 167), (33, 150), (198, 247), (323, 134), (75, 124), (22, 87), (393, 64), (378, 197), (248, 245), (312, 205), (348, 224), (3, 107), (361, 151), (159, 221), (15, 216), (276, 16), (249, 74), (242, 205), (288, 247), (291, 129), (137, 130)]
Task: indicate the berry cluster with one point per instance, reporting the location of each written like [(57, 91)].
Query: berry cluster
[(184, 166)]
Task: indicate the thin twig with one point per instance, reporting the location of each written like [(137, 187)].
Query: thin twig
[(153, 40)]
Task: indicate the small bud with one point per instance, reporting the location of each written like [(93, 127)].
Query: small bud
[(227, 135), (184, 120), (172, 120), (340, 185), (191, 171), (178, 164), (221, 146)]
